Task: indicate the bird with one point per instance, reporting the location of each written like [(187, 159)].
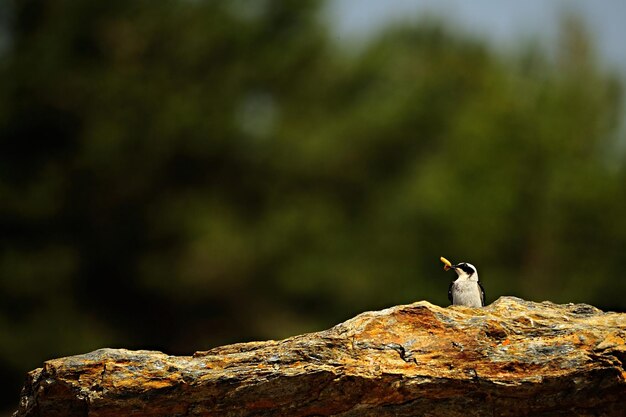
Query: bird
[(466, 290)]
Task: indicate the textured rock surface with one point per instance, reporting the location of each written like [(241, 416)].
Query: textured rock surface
[(511, 358)]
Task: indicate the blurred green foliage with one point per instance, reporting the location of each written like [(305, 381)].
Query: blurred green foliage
[(181, 174)]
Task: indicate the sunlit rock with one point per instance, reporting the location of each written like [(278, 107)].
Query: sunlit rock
[(511, 358)]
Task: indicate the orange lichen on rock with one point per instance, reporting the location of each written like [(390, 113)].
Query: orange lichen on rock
[(512, 358)]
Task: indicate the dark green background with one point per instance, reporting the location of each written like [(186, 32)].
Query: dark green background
[(176, 175)]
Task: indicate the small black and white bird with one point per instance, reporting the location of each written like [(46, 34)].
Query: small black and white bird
[(466, 290)]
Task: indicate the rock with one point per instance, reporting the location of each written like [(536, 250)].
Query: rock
[(512, 358)]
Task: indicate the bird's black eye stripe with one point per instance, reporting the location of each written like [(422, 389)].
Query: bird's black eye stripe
[(467, 269)]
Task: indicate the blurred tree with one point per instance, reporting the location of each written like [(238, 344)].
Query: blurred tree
[(179, 174)]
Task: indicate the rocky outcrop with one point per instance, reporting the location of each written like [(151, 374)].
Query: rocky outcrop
[(512, 358)]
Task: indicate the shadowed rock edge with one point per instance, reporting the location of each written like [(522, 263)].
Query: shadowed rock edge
[(511, 358)]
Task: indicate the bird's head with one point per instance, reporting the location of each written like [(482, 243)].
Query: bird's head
[(465, 271)]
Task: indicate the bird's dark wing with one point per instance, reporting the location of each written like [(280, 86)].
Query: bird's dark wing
[(482, 293), (450, 292)]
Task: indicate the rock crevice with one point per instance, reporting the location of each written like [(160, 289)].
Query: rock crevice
[(512, 358)]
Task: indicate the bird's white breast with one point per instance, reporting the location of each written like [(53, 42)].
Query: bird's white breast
[(466, 293)]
